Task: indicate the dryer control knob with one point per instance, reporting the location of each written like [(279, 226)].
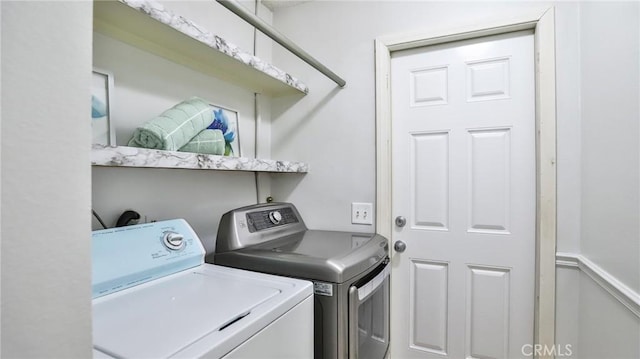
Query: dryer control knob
[(173, 240), (275, 217)]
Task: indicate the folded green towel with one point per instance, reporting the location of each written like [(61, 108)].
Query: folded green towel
[(175, 127), (207, 141)]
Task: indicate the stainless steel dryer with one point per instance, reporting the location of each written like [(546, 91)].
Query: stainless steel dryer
[(350, 272)]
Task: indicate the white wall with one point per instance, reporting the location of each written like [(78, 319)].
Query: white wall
[(568, 128), (46, 268), (0, 184), (610, 142), (568, 310), (607, 328), (610, 232), (146, 85)]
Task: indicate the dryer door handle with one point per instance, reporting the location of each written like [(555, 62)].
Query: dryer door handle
[(354, 301)]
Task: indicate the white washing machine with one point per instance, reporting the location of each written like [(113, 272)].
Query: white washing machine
[(154, 297)]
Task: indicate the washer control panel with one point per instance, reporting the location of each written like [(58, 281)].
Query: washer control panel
[(173, 240), (127, 256), (265, 219)]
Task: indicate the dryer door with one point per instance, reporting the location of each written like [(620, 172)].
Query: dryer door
[(369, 315)]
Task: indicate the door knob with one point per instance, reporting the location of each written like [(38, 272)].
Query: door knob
[(401, 221), (399, 246)]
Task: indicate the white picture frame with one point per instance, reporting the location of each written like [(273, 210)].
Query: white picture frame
[(104, 132), (232, 148)]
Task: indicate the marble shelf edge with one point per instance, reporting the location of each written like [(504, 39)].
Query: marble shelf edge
[(156, 11), (123, 156)]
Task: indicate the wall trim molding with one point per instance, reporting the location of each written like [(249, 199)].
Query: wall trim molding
[(625, 295)]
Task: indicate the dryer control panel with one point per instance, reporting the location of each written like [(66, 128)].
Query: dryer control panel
[(261, 220), (251, 225)]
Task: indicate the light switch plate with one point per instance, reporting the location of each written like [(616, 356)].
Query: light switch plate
[(361, 213)]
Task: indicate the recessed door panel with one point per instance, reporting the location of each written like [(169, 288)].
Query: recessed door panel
[(429, 86), (429, 306), (487, 296), (488, 80), (489, 180), (430, 180)]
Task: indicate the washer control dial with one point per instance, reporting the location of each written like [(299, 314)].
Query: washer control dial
[(173, 240), (275, 217)]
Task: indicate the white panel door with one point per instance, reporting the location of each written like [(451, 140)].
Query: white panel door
[(464, 179)]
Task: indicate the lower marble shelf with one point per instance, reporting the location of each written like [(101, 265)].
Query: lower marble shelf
[(123, 156)]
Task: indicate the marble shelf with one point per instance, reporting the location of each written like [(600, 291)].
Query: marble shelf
[(148, 25), (122, 156)]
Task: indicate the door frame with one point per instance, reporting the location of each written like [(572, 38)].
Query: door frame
[(543, 25)]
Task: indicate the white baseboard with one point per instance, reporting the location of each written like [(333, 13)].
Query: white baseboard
[(625, 295)]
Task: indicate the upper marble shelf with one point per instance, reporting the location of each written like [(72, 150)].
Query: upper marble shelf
[(123, 156), (148, 25)]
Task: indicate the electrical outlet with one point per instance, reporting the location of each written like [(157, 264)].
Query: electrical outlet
[(361, 213)]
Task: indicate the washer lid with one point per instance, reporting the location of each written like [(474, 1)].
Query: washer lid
[(161, 318), (313, 254)]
